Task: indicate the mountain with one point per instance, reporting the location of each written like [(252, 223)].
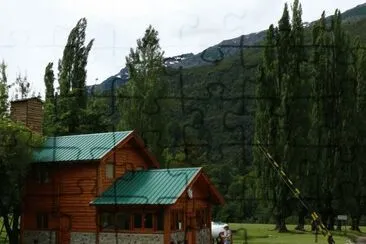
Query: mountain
[(211, 55), (217, 53)]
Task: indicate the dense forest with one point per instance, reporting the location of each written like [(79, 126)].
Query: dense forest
[(299, 93)]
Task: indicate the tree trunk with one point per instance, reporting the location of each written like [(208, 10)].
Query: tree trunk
[(12, 231), (14, 237), (331, 222), (280, 224), (301, 220), (339, 225), (355, 224)]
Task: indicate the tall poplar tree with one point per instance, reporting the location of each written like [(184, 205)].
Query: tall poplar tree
[(283, 43), (49, 122), (4, 91), (298, 93), (71, 101), (286, 113), (318, 128), (266, 122), (358, 165), (345, 132), (331, 129)]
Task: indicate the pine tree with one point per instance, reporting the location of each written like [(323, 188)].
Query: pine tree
[(138, 98)]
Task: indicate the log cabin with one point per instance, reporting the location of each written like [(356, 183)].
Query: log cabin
[(108, 188)]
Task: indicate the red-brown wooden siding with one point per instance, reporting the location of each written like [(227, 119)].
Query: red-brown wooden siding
[(69, 192), (73, 186), (126, 157)]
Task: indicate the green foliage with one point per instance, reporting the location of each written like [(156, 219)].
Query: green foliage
[(4, 91), (49, 121), (23, 87), (97, 116), (137, 99), (71, 101), (70, 110), (287, 70), (17, 145)]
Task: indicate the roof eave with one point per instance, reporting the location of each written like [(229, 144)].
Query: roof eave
[(220, 199), (190, 182), (118, 144), (133, 134)]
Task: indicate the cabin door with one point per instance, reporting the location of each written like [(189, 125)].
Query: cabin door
[(64, 236)]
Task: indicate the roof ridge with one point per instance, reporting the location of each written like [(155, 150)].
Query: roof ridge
[(89, 134), (175, 169)]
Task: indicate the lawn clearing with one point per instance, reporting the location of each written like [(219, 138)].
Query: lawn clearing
[(264, 234)]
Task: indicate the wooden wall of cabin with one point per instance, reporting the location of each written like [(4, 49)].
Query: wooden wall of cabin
[(127, 157), (62, 197), (194, 213)]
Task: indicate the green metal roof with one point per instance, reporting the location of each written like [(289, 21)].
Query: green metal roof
[(155, 186), (78, 147)]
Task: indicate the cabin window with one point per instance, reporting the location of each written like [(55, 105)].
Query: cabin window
[(160, 221), (137, 220), (107, 220), (42, 221), (42, 176), (109, 171), (123, 221), (148, 221)]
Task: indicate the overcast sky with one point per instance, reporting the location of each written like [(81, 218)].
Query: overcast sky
[(33, 33)]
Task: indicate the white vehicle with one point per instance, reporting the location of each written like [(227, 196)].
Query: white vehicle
[(216, 228)]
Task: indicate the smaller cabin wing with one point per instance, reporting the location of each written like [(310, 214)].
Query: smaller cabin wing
[(154, 186)]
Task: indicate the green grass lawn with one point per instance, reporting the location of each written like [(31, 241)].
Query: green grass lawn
[(264, 234)]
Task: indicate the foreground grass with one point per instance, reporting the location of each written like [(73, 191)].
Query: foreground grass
[(264, 234)]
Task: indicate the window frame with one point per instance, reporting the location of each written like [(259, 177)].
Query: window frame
[(157, 219), (110, 217), (107, 176), (128, 220)]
